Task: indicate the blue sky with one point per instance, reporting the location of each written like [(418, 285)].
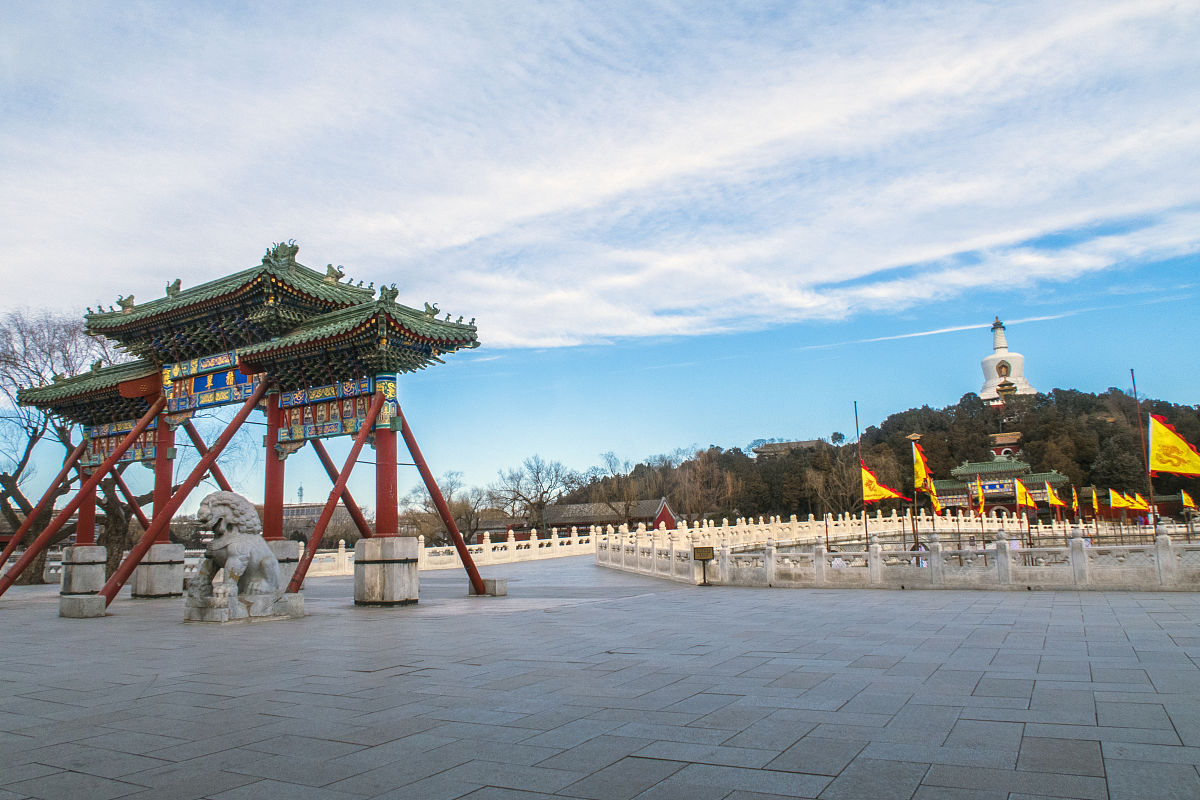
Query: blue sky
[(676, 224)]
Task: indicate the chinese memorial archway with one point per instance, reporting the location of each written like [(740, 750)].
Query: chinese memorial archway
[(319, 355)]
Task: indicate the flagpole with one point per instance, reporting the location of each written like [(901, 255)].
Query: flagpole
[(1145, 453), (858, 441), (912, 437), (1096, 513), (1187, 518)]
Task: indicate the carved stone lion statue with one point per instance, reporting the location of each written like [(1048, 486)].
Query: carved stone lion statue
[(237, 547)]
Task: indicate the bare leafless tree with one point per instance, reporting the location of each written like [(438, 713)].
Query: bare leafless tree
[(527, 491), (834, 481), (613, 485), (467, 507), (703, 487), (36, 347)]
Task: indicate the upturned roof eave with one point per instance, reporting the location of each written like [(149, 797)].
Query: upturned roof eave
[(103, 380), (346, 321), (295, 276)]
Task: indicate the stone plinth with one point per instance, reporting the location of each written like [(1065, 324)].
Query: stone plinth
[(224, 604), (287, 553), (160, 574), (82, 578), (385, 571), (492, 587)]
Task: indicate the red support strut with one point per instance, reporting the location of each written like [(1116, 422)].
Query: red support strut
[(440, 503), (43, 539), (356, 514), (19, 534), (202, 449), (339, 486), (162, 517)]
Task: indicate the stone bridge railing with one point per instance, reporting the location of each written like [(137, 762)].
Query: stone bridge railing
[(505, 550), (750, 555)]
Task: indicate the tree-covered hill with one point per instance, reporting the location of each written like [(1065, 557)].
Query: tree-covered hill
[(1093, 439)]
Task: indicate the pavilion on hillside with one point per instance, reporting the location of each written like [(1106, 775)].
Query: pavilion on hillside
[(997, 478)]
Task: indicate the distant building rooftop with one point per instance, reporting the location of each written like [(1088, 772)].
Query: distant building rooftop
[(778, 449), (584, 514)]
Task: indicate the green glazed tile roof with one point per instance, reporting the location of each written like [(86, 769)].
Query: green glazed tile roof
[(376, 338), (97, 380), (1032, 481), (1001, 466), (1038, 478), (454, 335), (92, 397), (278, 263)]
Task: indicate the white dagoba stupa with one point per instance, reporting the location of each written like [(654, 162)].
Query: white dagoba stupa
[(1003, 368)]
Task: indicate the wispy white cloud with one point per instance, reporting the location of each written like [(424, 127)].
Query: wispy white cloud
[(573, 174)]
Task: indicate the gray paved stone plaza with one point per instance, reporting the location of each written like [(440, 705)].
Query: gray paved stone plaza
[(588, 683)]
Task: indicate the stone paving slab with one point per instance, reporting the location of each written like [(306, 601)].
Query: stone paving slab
[(589, 683)]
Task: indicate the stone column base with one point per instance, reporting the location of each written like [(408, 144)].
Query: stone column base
[(82, 578), (492, 587), (287, 553), (81, 606), (385, 571), (160, 574)]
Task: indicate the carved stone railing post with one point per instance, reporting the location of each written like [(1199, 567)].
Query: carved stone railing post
[(1165, 555), (874, 561), (769, 561), (1078, 558), (723, 562), (818, 555), (1003, 561), (935, 560)]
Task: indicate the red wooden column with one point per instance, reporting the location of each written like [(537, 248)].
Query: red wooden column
[(164, 449), (387, 502), (273, 486), (85, 521)]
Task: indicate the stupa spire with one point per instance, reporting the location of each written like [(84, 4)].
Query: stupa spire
[(1003, 370), (999, 340)]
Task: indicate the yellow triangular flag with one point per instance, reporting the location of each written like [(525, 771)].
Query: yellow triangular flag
[(934, 499), (921, 479), (979, 493), (1170, 452), (1117, 500), (1052, 498), (873, 490), (1024, 498), (1187, 500)]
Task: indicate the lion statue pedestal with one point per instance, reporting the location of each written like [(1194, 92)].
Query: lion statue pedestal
[(252, 587)]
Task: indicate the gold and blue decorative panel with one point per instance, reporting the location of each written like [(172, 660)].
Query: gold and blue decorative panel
[(206, 382), (333, 410), (102, 441)]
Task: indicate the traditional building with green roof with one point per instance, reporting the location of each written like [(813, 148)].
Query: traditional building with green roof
[(319, 354)]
